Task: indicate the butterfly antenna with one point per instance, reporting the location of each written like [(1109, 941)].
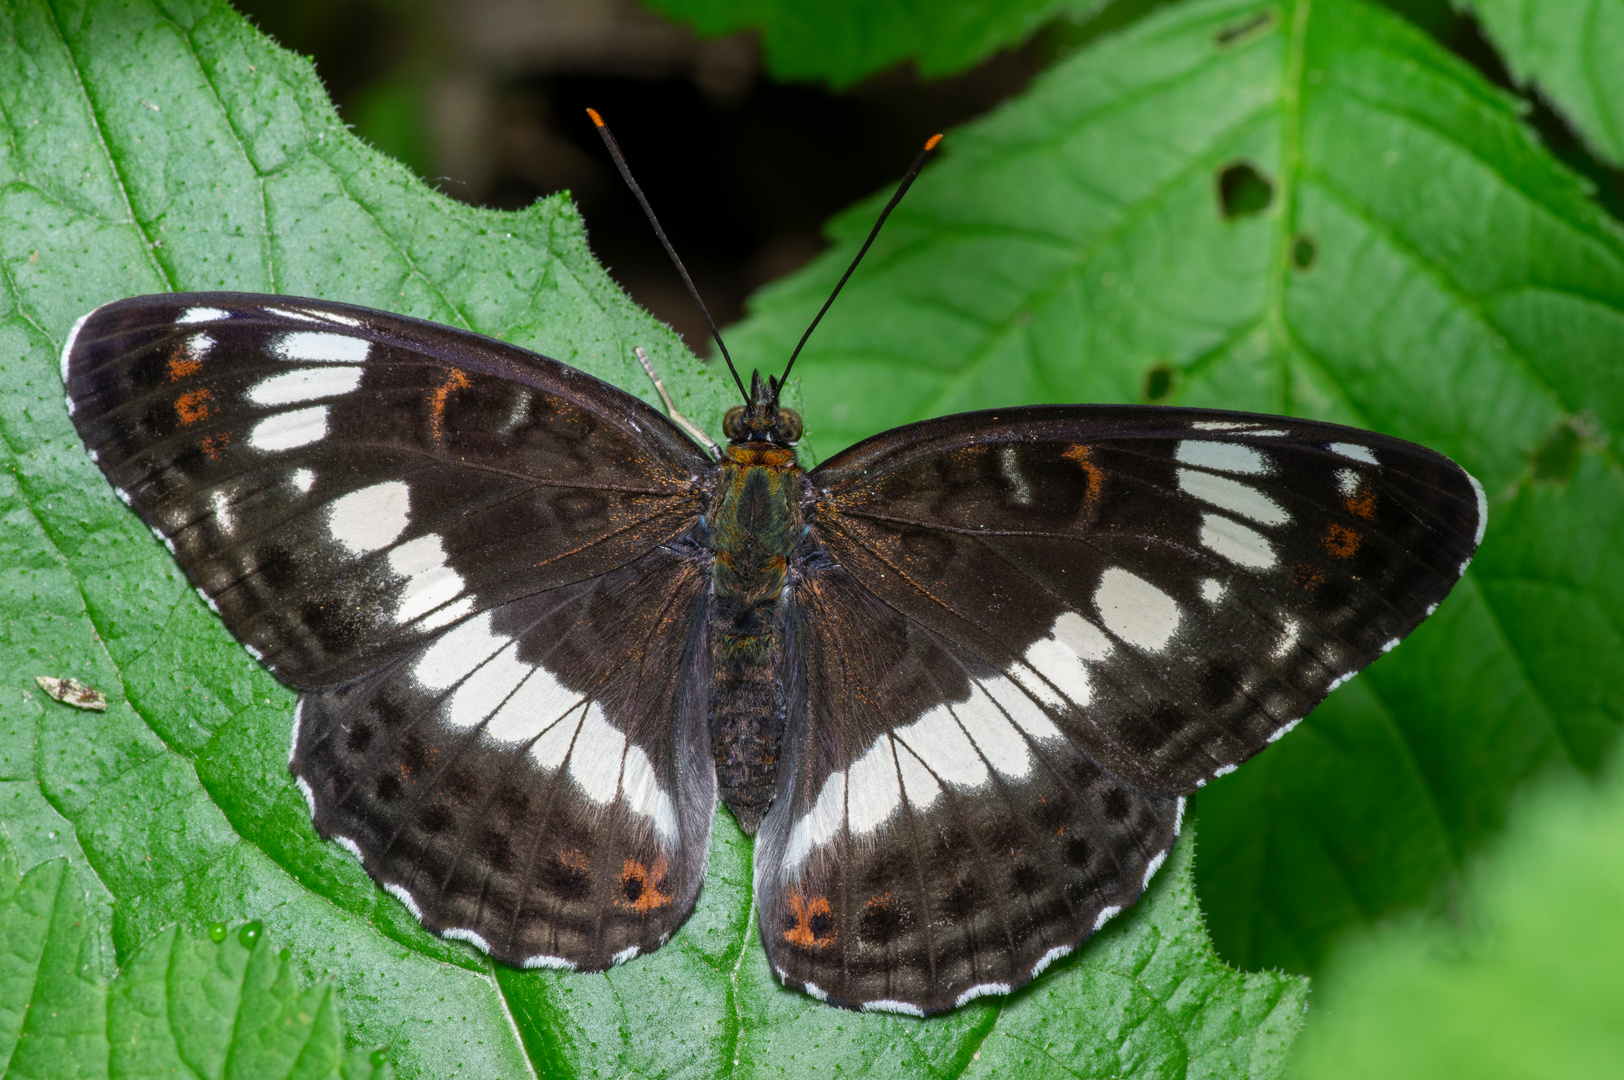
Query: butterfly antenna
[(902, 189), (626, 175)]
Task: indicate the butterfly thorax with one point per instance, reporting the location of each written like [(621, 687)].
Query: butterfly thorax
[(754, 522)]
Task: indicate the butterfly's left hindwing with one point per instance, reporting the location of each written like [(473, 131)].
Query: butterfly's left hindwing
[(342, 483), (537, 780)]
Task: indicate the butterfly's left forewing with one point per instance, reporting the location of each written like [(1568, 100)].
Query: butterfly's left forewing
[(477, 564)]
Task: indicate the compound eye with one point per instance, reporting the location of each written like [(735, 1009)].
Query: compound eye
[(733, 422), (788, 428)]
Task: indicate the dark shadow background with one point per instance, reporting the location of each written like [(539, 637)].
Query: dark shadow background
[(486, 100)]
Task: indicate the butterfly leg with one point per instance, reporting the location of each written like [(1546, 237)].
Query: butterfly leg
[(693, 429)]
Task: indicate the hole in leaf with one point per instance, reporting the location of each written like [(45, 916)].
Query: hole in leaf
[(1303, 251), (1232, 34), (1243, 191), (1158, 382), (1557, 458)]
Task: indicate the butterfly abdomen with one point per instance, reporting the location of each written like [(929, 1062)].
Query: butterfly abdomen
[(755, 522)]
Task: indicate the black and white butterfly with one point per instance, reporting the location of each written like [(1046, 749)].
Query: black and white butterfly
[(958, 679)]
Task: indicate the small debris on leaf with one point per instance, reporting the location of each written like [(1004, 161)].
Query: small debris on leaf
[(73, 692)]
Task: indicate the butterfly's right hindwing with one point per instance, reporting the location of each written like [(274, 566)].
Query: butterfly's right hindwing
[(342, 483)]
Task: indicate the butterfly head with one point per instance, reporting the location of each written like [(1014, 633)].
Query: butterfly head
[(763, 419)]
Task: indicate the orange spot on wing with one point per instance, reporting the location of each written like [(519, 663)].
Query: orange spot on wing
[(640, 886), (182, 364), (1362, 503), (1305, 576), (575, 860), (814, 922), (215, 445), (454, 380), (1340, 542), (1084, 457), (193, 406)]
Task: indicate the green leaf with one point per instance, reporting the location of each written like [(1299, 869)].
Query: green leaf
[(1571, 52), (1419, 265), (841, 41), (154, 146), (226, 1004), (1529, 981)]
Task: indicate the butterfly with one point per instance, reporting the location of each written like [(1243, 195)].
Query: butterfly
[(957, 680)]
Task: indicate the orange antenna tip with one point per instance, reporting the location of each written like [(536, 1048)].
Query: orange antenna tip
[(598, 120), (930, 143)]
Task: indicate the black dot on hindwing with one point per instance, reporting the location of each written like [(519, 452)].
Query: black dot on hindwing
[(565, 876), (882, 921), (962, 901), (496, 850), (1116, 804), (388, 787), (359, 737)]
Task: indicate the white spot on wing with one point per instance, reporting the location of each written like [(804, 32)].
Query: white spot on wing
[(1223, 770), (1482, 511), (220, 506), (1009, 465), (644, 796), (918, 784), (306, 384), (1232, 495), (942, 745), (535, 707), (293, 740), (1222, 425), (1022, 709), (430, 582), (303, 479), (1284, 731), (453, 656), (350, 846), (817, 826), (1135, 610), (1150, 871), (202, 314), (286, 430), (1353, 452), (1236, 542), (305, 346), (459, 934), (1034, 685), (628, 953), (1178, 817), (483, 692), (371, 518), (1060, 656), (816, 991), (1222, 456), (1048, 958), (887, 1005), (1212, 590), (1339, 680), (873, 791), (553, 747), (1390, 646), (982, 990), (1288, 639), (595, 759), (1105, 915), (1347, 482), (541, 961), (309, 795), (998, 740), (67, 348)]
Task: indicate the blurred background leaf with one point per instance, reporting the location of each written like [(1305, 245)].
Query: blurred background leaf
[(1528, 978), (1569, 52)]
